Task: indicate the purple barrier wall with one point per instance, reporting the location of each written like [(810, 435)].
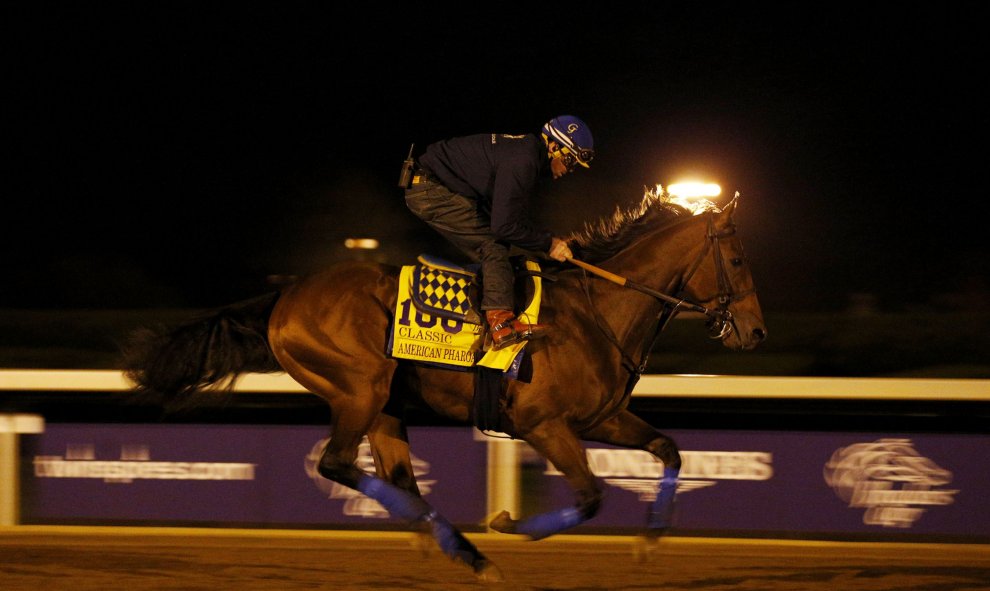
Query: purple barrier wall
[(809, 483), (228, 474), (826, 483)]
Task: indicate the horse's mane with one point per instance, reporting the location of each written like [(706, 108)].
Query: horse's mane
[(609, 235)]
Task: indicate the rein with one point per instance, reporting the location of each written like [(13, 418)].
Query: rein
[(720, 322)]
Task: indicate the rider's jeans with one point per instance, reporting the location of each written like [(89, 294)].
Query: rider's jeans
[(462, 221)]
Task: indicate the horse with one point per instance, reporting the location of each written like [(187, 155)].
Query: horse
[(328, 331)]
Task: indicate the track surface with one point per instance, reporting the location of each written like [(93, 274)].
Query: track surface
[(139, 559)]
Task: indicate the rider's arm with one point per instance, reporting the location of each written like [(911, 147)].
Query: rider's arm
[(510, 208)]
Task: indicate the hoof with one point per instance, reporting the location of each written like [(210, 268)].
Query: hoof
[(503, 523), (487, 572)]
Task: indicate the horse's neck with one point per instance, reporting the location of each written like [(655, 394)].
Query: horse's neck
[(658, 261)]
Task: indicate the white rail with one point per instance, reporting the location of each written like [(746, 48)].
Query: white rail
[(677, 386)]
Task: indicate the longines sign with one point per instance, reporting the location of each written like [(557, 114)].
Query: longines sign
[(828, 483)]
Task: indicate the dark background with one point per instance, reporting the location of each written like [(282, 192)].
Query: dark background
[(169, 156)]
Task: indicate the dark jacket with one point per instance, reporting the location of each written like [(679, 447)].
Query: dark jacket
[(500, 171)]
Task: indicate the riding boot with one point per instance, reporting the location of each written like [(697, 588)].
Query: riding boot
[(506, 329)]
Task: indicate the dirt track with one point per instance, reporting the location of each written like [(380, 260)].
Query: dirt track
[(139, 559)]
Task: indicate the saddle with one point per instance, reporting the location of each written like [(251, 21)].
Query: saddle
[(438, 322), (446, 290), (451, 291)]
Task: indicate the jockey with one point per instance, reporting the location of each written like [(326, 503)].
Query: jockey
[(475, 190)]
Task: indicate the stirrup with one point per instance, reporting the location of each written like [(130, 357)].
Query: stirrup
[(510, 339), (515, 336)]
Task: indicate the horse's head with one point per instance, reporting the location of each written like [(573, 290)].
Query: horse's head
[(711, 275), (721, 281)]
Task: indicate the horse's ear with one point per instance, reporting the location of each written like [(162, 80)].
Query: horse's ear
[(729, 211)]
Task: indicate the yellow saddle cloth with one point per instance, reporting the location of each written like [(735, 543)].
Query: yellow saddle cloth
[(444, 339)]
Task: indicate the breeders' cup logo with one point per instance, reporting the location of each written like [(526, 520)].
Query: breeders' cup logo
[(356, 503), (890, 479), (639, 471)]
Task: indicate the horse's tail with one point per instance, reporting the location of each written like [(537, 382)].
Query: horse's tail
[(182, 366)]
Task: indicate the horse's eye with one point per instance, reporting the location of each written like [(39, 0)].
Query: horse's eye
[(737, 262)]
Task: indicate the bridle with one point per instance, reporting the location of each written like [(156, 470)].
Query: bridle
[(720, 322)]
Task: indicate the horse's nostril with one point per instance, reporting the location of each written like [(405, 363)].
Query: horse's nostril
[(759, 334)]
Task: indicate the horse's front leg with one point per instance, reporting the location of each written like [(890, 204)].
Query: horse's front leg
[(557, 443), (628, 430)]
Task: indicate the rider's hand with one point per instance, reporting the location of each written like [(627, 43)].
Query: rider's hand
[(559, 250)]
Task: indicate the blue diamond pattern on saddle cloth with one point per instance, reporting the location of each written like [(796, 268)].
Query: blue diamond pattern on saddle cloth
[(444, 291), (442, 288)]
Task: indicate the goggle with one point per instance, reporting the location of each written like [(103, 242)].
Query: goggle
[(571, 157)]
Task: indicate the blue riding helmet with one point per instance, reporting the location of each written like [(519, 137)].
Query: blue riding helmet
[(573, 136)]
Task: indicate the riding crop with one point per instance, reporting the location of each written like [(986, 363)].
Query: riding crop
[(620, 280)]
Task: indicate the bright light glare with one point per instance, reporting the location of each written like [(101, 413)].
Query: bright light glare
[(361, 243), (694, 190)]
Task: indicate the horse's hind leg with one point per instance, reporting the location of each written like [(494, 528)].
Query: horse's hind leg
[(628, 430), (323, 341), (390, 443), (390, 448), (394, 487), (393, 464), (357, 413)]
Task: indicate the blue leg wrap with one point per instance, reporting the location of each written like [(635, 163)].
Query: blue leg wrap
[(547, 524), (452, 542), (396, 501), (662, 510), (400, 503)]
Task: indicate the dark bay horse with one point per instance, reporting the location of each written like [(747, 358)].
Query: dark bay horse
[(329, 331)]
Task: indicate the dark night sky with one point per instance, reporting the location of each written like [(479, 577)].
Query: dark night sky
[(176, 154)]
